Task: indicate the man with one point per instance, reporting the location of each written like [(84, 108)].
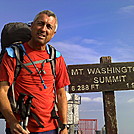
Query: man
[(41, 83)]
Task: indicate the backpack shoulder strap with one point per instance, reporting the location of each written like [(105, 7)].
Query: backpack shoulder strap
[(14, 51), (19, 56), (53, 55), (18, 51)]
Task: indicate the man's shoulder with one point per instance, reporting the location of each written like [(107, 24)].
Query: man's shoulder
[(11, 51), (51, 50)]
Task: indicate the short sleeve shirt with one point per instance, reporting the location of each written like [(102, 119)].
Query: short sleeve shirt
[(31, 84)]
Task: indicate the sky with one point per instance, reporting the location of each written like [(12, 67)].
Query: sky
[(88, 30)]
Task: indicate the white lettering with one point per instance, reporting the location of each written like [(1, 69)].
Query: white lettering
[(73, 88), (91, 71), (96, 80), (110, 70), (98, 71), (103, 70), (109, 79), (76, 71)]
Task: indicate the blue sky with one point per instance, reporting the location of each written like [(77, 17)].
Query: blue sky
[(88, 30)]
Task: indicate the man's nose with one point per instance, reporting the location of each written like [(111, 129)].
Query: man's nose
[(44, 28)]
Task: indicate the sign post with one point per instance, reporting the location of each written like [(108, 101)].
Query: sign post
[(109, 106), (105, 77)]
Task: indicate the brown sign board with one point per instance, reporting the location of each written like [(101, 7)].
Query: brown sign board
[(101, 77)]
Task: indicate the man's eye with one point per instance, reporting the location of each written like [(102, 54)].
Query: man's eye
[(49, 26), (40, 23)]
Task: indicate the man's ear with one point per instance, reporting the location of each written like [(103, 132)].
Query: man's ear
[(53, 34)]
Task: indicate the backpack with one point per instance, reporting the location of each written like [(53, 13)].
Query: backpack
[(14, 32), (12, 37)]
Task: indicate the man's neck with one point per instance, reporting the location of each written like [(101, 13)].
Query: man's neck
[(37, 46)]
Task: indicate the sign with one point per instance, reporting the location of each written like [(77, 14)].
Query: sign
[(75, 99), (73, 114), (101, 77), (73, 109)]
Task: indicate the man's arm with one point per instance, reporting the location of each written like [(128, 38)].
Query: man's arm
[(6, 110), (62, 107)]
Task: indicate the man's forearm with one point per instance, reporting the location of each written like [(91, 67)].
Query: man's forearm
[(62, 105), (5, 107)]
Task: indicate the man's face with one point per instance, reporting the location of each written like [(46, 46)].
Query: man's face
[(43, 29)]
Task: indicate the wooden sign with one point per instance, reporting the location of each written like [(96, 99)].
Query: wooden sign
[(101, 77), (106, 77)]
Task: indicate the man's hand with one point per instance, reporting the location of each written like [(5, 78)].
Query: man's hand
[(64, 131), (16, 128), (7, 112)]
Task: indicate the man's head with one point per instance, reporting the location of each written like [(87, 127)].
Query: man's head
[(49, 13), (44, 27)]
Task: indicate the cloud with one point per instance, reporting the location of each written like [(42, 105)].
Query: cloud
[(87, 99), (131, 100), (127, 9), (98, 99), (123, 52), (93, 110), (80, 53), (76, 54), (92, 41)]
